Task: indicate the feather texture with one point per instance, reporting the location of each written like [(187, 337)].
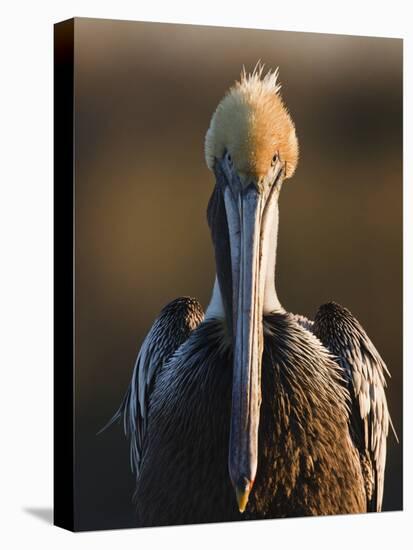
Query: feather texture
[(365, 372), (169, 331), (308, 463)]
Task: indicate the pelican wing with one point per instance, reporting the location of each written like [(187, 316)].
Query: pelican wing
[(365, 371), (173, 326)]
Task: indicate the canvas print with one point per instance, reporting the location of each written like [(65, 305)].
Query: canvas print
[(232, 211)]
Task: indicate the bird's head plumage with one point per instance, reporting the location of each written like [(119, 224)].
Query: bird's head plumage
[(252, 125)]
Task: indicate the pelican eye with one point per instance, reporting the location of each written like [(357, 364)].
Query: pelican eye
[(229, 158), (274, 159)]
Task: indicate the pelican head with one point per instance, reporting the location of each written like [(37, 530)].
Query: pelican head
[(251, 147)]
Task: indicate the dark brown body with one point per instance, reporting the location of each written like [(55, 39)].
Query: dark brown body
[(308, 464)]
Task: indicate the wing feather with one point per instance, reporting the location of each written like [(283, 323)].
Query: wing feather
[(365, 370), (169, 331)]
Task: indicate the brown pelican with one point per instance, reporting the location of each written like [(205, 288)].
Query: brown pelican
[(250, 411)]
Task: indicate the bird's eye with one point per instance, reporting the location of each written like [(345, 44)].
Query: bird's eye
[(274, 159), (229, 158)]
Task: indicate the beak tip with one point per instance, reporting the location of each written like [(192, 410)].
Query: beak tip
[(242, 492)]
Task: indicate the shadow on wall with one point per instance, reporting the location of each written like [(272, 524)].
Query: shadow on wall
[(44, 514)]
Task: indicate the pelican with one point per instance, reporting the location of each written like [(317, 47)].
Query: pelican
[(249, 411)]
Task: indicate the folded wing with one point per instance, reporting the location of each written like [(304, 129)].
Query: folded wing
[(169, 331), (365, 372)]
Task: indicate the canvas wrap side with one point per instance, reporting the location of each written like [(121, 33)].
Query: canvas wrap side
[(63, 275)]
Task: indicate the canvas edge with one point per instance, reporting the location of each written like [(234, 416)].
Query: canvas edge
[(63, 248)]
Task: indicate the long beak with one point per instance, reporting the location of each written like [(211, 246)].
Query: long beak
[(245, 214)]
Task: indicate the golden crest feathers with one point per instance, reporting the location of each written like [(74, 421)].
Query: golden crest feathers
[(252, 124)]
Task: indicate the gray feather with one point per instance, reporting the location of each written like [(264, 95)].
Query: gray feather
[(343, 335), (169, 331)]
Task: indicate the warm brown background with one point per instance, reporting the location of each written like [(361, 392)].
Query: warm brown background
[(145, 93)]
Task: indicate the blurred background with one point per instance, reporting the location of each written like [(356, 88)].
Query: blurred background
[(144, 96)]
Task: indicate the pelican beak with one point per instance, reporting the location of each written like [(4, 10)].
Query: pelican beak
[(246, 209), (242, 493)]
